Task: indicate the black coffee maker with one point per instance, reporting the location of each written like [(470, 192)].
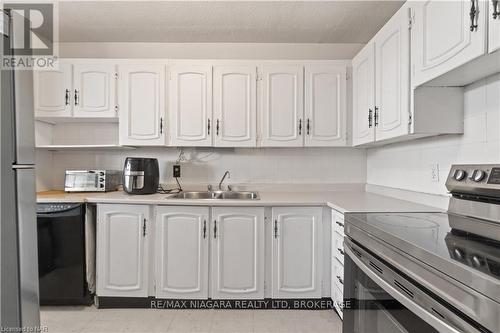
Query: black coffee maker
[(141, 175)]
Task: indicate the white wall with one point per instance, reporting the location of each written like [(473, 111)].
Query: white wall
[(210, 50), (207, 165), (408, 165)]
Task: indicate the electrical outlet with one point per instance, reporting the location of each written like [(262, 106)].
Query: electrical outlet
[(177, 171), (434, 169)]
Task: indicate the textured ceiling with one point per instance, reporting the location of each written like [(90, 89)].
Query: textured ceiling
[(223, 21)]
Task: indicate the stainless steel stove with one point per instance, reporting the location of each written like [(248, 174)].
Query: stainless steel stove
[(428, 272)]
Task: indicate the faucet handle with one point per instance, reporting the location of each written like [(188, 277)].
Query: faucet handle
[(229, 188), (209, 187)]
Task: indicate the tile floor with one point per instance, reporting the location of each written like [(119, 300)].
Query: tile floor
[(92, 320)]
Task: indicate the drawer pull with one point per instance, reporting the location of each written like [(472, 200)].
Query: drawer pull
[(340, 251), (340, 223)]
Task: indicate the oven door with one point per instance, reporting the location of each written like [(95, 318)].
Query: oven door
[(378, 299)]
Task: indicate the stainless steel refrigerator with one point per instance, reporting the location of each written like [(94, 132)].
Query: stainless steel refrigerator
[(19, 306)]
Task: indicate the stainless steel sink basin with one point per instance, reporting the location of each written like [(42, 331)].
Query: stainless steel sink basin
[(230, 195), (220, 195)]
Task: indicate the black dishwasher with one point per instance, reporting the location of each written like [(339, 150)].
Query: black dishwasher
[(61, 254)]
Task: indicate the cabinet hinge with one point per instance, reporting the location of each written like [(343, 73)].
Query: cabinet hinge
[(116, 109), (410, 119), (116, 76), (258, 77)]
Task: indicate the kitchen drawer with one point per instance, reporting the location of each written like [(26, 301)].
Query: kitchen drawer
[(338, 300), (338, 222), (338, 247), (337, 274)]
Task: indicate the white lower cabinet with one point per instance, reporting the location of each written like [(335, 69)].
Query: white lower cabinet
[(122, 250), (237, 253), (181, 256), (297, 252)]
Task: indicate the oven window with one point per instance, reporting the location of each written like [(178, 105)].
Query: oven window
[(370, 309)]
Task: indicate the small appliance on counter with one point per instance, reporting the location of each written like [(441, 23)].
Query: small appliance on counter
[(92, 180), (141, 175)]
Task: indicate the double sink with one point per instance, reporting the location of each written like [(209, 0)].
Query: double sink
[(219, 195)]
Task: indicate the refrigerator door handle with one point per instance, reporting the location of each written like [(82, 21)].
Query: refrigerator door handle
[(23, 166)]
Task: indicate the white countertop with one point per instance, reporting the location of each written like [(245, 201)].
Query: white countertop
[(343, 200)]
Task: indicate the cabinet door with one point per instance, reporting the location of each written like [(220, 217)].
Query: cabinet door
[(282, 106), (94, 90), (142, 105), (443, 36), (122, 250), (392, 77), (182, 235), (297, 248), (237, 253), (53, 92), (325, 105), (190, 94), (234, 106), (363, 92), (493, 26)]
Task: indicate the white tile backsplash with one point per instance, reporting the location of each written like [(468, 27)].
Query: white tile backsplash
[(207, 165), (407, 165)]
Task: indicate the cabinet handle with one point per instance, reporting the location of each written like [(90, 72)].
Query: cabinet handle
[(217, 128), (204, 229), (215, 229), (66, 97), (340, 251), (161, 125), (308, 127), (275, 228), (370, 118), (144, 228), (473, 15), (76, 97), (300, 126), (340, 223), (376, 116), (340, 279), (496, 12), (208, 126)]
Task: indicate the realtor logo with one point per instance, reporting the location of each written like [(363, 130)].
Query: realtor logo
[(31, 32), (32, 28)]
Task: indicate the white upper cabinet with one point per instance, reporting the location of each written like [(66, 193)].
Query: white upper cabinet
[(142, 104), (363, 106), (235, 115), (297, 252), (392, 75), (493, 26), (237, 253), (182, 235), (445, 37), (53, 92), (94, 90), (281, 106), (122, 250), (190, 107), (325, 105)]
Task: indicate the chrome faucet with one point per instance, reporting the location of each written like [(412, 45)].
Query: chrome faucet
[(222, 180)]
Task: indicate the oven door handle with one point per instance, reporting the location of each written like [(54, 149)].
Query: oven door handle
[(438, 323)]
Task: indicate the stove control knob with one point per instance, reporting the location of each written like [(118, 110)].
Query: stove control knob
[(459, 175), (459, 254), (476, 261), (478, 175)]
